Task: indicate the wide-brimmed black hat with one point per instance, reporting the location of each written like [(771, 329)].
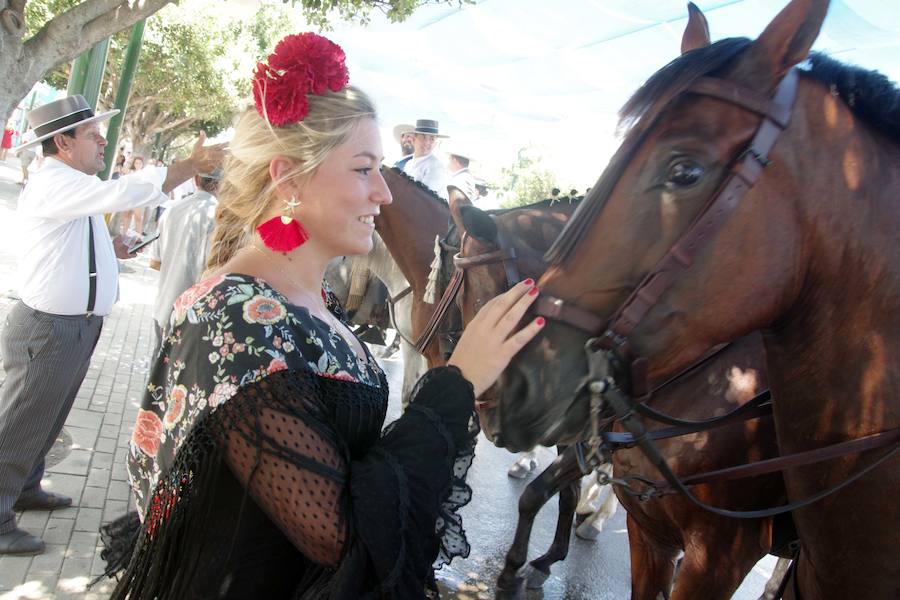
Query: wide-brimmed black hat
[(61, 115), (427, 126)]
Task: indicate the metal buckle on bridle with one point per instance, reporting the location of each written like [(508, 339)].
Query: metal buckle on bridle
[(597, 382), (751, 151)]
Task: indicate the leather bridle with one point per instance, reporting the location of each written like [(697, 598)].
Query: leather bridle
[(505, 254), (610, 345)]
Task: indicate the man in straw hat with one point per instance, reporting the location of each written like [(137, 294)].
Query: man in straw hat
[(424, 166), (68, 281), (460, 176), (404, 136)]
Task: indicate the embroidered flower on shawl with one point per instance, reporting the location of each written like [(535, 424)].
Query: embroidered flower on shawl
[(175, 408), (276, 365), (186, 300), (263, 310), (302, 64), (221, 393), (342, 375), (148, 432)]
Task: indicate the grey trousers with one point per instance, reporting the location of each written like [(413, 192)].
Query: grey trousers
[(45, 358)]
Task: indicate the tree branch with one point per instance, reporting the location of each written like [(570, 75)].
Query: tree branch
[(73, 32)]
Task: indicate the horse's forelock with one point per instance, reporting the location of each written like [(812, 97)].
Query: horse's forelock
[(637, 116)]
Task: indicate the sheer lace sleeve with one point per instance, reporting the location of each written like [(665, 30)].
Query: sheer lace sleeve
[(277, 439), (278, 444)]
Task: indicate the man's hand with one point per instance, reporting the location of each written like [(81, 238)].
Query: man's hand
[(120, 248), (206, 158), (203, 159)]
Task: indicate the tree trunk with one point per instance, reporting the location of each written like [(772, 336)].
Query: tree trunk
[(25, 62)]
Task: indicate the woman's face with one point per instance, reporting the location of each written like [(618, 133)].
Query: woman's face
[(340, 201)]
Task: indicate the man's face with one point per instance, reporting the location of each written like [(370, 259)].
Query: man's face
[(406, 143), (423, 143), (84, 152)]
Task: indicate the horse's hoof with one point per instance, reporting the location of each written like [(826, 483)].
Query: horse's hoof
[(580, 518), (534, 578), (517, 592), (521, 469), (587, 532)]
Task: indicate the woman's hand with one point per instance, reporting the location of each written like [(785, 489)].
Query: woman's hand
[(489, 341)]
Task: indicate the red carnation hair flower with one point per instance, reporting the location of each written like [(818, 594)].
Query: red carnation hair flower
[(301, 64)]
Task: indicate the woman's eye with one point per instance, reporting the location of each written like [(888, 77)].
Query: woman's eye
[(684, 173), (364, 171)]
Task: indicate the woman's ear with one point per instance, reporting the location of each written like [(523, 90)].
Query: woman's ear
[(280, 169)]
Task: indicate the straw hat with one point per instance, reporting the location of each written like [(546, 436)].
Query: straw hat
[(59, 116)]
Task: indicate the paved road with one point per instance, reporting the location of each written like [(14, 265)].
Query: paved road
[(89, 466)]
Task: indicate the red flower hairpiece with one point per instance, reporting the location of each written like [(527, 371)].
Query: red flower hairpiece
[(301, 64)]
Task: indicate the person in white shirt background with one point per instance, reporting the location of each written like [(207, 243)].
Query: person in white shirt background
[(425, 166), (404, 136), (185, 230), (460, 176), (68, 281)]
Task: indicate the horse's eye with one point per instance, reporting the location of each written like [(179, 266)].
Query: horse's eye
[(684, 173)]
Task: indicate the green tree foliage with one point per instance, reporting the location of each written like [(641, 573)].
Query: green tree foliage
[(320, 12), (526, 181), (194, 71), (192, 64)]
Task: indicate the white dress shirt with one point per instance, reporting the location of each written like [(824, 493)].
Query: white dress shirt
[(185, 233), (429, 170), (464, 181), (54, 212)]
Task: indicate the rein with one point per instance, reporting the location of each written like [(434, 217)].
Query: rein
[(392, 312), (611, 345)]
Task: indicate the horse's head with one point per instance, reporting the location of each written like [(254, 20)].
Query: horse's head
[(498, 249), (693, 122)]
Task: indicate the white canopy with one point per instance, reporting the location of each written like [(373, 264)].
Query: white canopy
[(501, 74)]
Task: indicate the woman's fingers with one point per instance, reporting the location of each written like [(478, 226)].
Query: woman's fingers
[(488, 342), (496, 308)]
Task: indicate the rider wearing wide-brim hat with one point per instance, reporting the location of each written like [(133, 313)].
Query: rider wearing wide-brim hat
[(425, 166)]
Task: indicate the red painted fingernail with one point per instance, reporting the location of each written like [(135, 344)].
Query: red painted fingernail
[(529, 281), (533, 291), (540, 321)]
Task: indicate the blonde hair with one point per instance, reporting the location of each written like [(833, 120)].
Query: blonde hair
[(247, 192)]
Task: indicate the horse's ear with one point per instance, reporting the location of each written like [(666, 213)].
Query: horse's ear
[(784, 43), (479, 224), (696, 34), (457, 201)]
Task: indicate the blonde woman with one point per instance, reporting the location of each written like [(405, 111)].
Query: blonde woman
[(258, 460)]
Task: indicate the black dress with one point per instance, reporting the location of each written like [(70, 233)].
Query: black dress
[(253, 394)]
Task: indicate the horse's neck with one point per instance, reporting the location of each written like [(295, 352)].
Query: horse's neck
[(408, 227), (837, 344)]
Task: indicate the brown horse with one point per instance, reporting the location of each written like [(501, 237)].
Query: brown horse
[(408, 226), (809, 256), (718, 552)]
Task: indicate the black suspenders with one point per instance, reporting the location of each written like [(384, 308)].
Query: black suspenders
[(92, 268)]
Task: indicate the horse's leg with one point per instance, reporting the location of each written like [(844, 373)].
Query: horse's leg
[(652, 564), (539, 569), (591, 527), (534, 496), (590, 491), (525, 464), (413, 368), (715, 570)]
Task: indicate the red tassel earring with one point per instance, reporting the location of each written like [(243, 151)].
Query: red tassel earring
[(284, 233)]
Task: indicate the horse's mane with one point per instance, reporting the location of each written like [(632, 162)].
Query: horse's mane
[(539, 205), (428, 191), (870, 95), (638, 115)]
